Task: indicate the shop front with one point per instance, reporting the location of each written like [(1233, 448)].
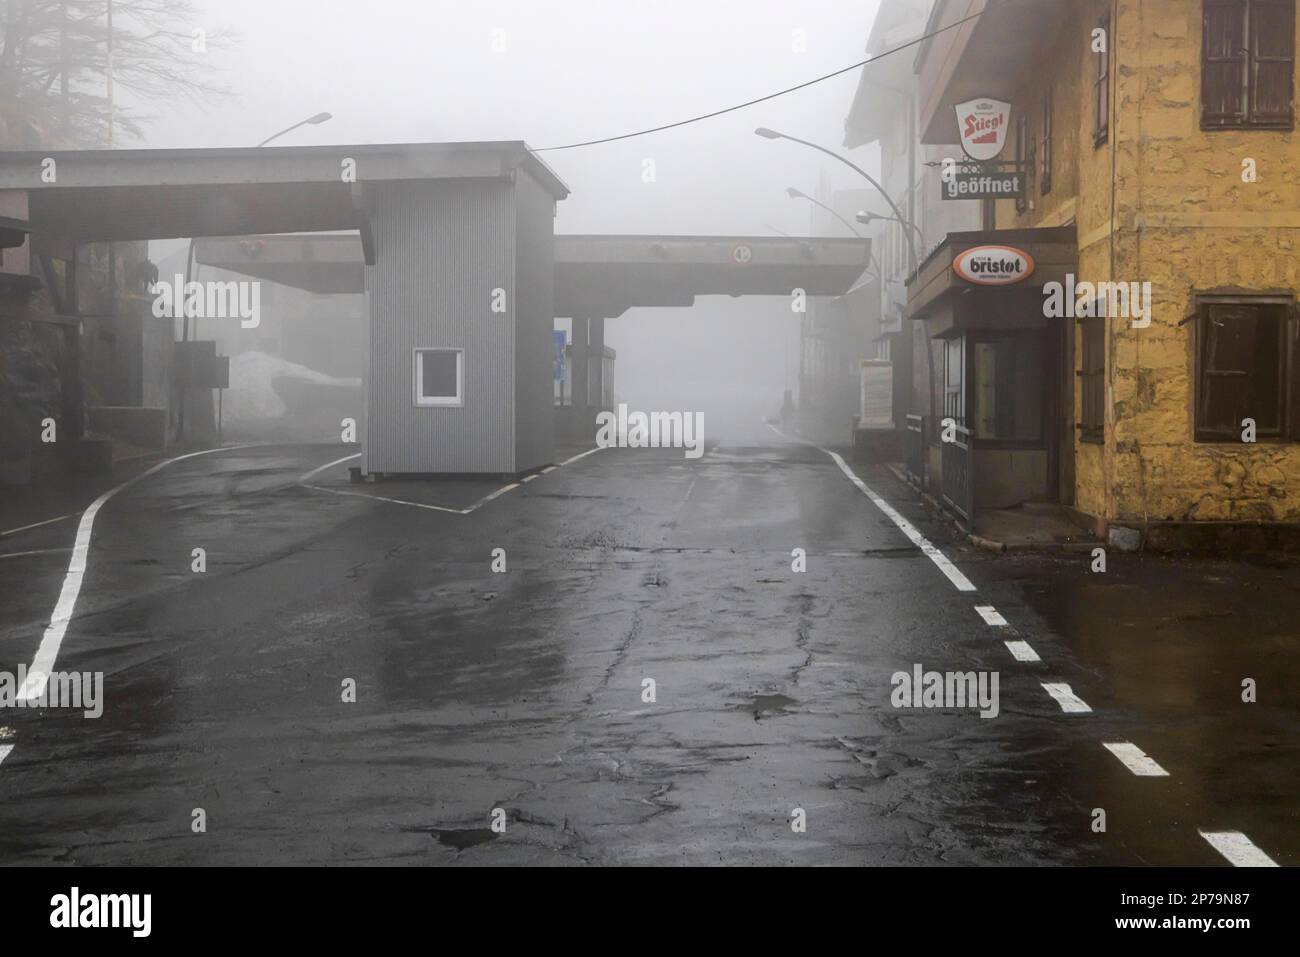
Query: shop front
[(999, 430)]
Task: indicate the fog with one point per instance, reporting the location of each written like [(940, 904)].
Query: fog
[(554, 73)]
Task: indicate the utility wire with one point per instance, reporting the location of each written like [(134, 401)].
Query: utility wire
[(772, 96)]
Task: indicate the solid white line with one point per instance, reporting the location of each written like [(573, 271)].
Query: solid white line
[(48, 652), (1070, 702), (581, 455), (940, 560), (1238, 849), (328, 465), (1135, 759), (48, 521), (4, 751), (991, 615), (1022, 651)]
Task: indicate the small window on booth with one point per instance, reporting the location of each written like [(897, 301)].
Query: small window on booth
[(440, 377)]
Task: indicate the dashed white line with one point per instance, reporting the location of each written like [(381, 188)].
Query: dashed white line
[(4, 751), (1135, 759), (1070, 702), (47, 653), (991, 616), (1239, 850), (1021, 651)]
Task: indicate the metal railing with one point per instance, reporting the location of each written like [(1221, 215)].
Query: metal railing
[(916, 450), (959, 476)]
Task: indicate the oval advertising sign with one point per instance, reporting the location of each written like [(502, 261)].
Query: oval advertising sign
[(994, 265)]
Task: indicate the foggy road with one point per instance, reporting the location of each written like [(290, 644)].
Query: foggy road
[(648, 680)]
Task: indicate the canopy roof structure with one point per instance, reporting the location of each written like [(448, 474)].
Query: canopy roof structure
[(595, 275)]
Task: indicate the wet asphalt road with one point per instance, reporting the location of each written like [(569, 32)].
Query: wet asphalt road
[(523, 690)]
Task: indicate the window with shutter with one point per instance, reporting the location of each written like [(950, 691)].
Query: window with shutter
[(1045, 158), (1243, 367), (1092, 378), (1101, 87), (1248, 64)]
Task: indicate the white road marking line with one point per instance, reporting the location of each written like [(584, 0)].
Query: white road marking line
[(953, 574), (433, 508), (1021, 651), (991, 616), (1135, 759), (48, 652), (390, 501), (1070, 702), (4, 751), (1238, 849), (581, 455), (327, 465), (48, 521)]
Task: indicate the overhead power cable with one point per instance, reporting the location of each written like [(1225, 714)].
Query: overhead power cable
[(772, 96)]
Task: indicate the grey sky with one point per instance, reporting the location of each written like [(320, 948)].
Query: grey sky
[(426, 70)]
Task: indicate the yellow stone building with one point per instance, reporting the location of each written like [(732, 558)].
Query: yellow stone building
[(1157, 143)]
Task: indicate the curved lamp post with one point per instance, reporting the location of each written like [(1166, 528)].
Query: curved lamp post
[(768, 134)]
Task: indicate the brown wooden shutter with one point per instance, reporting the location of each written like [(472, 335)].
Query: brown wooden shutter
[(1272, 62), (1293, 373), (1223, 63)]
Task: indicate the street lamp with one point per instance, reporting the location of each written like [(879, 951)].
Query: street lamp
[(800, 194), (768, 134), (865, 217), (316, 120)]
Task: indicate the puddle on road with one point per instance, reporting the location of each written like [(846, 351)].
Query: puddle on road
[(459, 839), (765, 705)]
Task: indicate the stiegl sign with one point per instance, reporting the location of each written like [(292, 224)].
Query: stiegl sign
[(983, 124), (993, 265)]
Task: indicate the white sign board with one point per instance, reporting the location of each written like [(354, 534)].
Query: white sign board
[(983, 125)]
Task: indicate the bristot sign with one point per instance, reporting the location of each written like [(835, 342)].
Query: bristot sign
[(993, 265), (983, 125)]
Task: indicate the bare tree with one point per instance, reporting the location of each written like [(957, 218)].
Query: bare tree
[(54, 67)]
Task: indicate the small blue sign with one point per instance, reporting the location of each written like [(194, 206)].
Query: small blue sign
[(558, 338)]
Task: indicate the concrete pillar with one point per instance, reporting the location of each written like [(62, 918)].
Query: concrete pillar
[(596, 364), (580, 414)]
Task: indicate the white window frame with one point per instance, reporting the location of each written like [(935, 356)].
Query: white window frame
[(417, 369)]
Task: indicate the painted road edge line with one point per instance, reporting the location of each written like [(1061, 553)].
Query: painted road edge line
[(1238, 849), (1021, 651), (991, 616), (951, 571), (1135, 759), (48, 651), (1070, 702)]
